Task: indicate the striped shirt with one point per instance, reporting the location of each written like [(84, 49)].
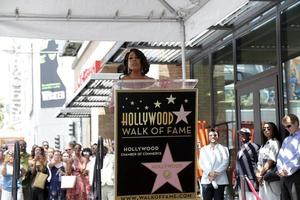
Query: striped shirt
[(247, 158), (289, 154)]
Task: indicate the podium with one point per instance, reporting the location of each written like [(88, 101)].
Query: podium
[(156, 84), (154, 132)]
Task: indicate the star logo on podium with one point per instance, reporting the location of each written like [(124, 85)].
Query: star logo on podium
[(171, 99), (166, 171), (181, 115)]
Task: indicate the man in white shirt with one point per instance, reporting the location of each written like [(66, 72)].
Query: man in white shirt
[(214, 160), (108, 175)]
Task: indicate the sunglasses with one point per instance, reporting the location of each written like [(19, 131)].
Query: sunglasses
[(267, 128), (288, 126), (86, 153)]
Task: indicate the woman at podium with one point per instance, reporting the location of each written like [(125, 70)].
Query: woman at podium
[(136, 65)]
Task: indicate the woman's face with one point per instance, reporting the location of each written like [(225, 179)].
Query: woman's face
[(134, 63), (65, 156), (37, 151), (50, 152), (77, 148), (267, 131), (57, 156)]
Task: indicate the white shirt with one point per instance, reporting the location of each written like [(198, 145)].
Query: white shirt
[(90, 167), (214, 159), (108, 170), (268, 152)]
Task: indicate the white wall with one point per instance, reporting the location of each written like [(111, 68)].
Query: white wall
[(43, 124)]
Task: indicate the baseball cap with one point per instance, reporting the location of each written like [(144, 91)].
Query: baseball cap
[(245, 131)]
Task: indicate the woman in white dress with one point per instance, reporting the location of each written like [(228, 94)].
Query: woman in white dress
[(266, 160)]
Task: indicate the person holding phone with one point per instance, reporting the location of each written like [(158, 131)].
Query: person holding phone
[(38, 164), (7, 173)]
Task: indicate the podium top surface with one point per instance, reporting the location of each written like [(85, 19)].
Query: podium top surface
[(156, 84)]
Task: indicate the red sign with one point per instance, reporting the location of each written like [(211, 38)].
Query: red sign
[(86, 73)]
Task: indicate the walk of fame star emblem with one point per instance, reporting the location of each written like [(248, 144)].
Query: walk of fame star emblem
[(166, 171)]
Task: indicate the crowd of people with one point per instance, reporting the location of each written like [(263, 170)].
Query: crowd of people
[(267, 172), (54, 164)]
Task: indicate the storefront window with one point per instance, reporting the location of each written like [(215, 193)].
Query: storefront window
[(224, 98), (201, 72), (290, 26), (256, 51), (267, 105)]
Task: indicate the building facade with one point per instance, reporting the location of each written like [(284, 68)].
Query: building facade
[(251, 75)]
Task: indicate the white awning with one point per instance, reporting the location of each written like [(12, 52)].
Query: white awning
[(112, 20), (94, 92), (74, 113)]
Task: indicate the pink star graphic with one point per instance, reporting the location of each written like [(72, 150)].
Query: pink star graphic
[(181, 115), (167, 170)]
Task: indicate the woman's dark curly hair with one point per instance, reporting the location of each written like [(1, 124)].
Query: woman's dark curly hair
[(144, 63), (86, 150), (275, 133), (33, 151)]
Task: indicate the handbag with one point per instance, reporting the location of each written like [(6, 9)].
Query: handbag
[(271, 175), (68, 181), (40, 180)]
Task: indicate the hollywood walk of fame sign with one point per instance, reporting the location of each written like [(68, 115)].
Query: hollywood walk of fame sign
[(155, 144)]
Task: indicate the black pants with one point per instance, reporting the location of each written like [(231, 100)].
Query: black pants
[(290, 187), (27, 192), (39, 194), (209, 193)]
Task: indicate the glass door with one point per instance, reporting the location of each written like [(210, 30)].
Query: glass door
[(257, 103)]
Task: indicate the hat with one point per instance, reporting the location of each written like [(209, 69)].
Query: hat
[(245, 131), (4, 147)]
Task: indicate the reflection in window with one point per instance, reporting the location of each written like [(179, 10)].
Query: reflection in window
[(224, 96), (246, 104), (293, 78), (267, 105), (247, 101), (201, 72), (290, 23), (256, 51)]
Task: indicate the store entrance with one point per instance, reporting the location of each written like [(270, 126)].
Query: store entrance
[(258, 102)]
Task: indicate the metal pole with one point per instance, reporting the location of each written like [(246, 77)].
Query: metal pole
[(16, 171), (97, 171), (182, 26)]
